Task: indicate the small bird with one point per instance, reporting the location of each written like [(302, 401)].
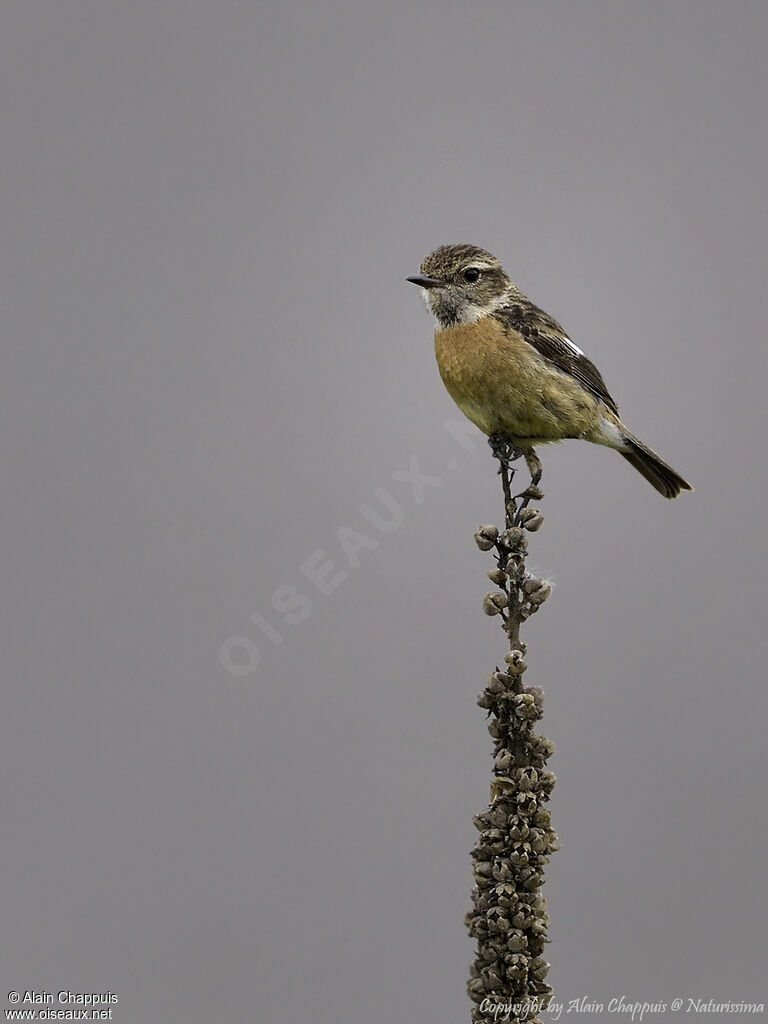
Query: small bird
[(512, 369)]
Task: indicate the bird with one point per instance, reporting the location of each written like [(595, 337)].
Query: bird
[(512, 369)]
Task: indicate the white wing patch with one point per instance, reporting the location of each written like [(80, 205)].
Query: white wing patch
[(571, 346)]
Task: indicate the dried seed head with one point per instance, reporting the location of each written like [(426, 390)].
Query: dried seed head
[(540, 595), (547, 780), (531, 583), (533, 492), (494, 839), (526, 804), (505, 894), (527, 778), (482, 902), (516, 964), (501, 786), (492, 979), (531, 884), (524, 706), (539, 967), (508, 919), (542, 747), (497, 920), (533, 519), (502, 870), (486, 536), (516, 942), (476, 990), (496, 682), (515, 566), (515, 661), (514, 539), (494, 601), (522, 918), (498, 816)]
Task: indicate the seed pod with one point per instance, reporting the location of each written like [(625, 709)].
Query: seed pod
[(516, 942), (540, 595), (516, 964), (531, 584), (534, 522), (514, 567), (547, 781), (492, 979), (497, 682), (533, 492), (515, 661), (505, 894), (501, 786), (513, 539), (502, 870), (539, 967), (495, 729), (497, 920), (525, 707), (476, 990), (498, 816), (527, 779), (542, 747), (494, 601), (486, 536)]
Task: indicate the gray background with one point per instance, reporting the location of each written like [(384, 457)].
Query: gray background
[(211, 361)]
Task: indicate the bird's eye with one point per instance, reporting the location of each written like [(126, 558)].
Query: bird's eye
[(471, 274)]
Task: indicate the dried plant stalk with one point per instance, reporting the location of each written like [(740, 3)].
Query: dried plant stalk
[(509, 916)]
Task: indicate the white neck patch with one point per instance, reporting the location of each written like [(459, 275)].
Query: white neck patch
[(470, 313)]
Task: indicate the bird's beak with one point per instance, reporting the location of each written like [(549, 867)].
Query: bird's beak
[(425, 282)]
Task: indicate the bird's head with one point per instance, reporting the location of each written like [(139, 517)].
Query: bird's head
[(461, 284)]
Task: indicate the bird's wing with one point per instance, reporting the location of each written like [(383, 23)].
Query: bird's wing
[(549, 339)]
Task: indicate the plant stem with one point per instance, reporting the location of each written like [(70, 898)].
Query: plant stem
[(509, 917)]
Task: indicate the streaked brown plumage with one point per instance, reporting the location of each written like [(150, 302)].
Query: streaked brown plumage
[(511, 368)]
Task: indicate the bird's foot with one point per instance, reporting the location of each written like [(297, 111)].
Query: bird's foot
[(505, 451), (532, 491), (533, 462)]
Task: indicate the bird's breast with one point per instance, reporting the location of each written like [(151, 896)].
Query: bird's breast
[(501, 383)]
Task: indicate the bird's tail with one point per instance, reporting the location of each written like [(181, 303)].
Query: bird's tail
[(655, 470)]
